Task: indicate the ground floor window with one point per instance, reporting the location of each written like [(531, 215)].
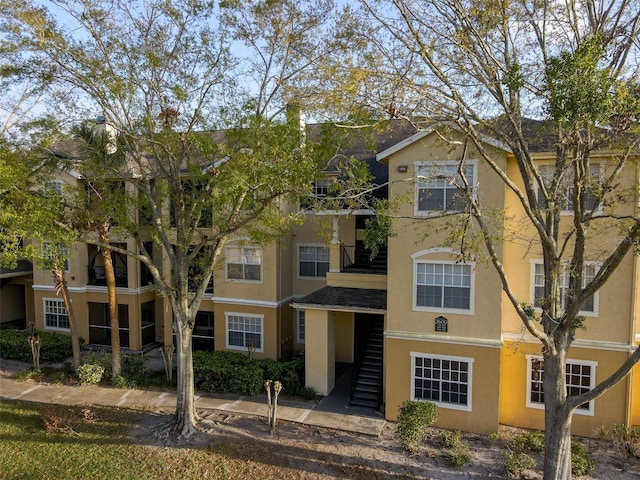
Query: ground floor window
[(203, 332), (244, 331), (580, 378), (443, 380), (55, 314), (300, 326)]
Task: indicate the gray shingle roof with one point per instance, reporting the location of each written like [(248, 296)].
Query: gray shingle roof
[(346, 298)]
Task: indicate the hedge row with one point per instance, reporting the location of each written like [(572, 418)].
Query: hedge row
[(230, 372), (54, 347)]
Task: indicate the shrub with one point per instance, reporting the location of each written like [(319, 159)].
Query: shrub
[(231, 372), (90, 373), (516, 463), (529, 441), (413, 419), (55, 347), (626, 441), (582, 462), (459, 456), (451, 439)]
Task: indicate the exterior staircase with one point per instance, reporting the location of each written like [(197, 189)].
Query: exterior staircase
[(366, 389)]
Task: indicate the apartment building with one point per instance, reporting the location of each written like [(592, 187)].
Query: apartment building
[(413, 322)]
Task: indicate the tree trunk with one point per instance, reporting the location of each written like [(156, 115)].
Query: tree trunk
[(557, 432), (61, 289), (116, 363), (185, 418)]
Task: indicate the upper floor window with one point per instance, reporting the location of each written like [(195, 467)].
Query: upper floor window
[(443, 286), (580, 377), (313, 261), (590, 306), (244, 263), (443, 380), (439, 186), (566, 188), (55, 314), (244, 331)]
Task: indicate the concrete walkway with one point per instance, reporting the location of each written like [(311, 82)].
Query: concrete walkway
[(308, 413)]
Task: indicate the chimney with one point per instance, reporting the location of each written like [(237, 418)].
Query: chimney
[(104, 128)]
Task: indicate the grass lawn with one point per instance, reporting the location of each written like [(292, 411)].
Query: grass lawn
[(42, 441)]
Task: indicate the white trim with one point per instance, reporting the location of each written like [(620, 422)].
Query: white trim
[(97, 289), (44, 314), (445, 339), (439, 163), (453, 406), (592, 383), (300, 313), (532, 286), (251, 302), (313, 277), (243, 247), (578, 343), (421, 308), (246, 316), (362, 211)]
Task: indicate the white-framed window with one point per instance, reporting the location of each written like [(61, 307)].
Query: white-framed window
[(580, 378), (590, 306), (443, 286), (244, 263), (313, 260), (300, 330), (54, 187), (439, 186), (547, 172), (55, 314), (442, 379), (322, 187), (244, 330)]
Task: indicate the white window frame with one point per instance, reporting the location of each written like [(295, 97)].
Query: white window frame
[(564, 286), (300, 326), (244, 258), (59, 310), (589, 410), (231, 317), (436, 167), (567, 208), (421, 308), (322, 187), (315, 260), (447, 358)]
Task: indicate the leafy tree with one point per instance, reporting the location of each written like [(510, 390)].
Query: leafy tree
[(206, 158), (484, 67)]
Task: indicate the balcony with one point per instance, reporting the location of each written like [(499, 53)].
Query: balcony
[(97, 276), (357, 259)]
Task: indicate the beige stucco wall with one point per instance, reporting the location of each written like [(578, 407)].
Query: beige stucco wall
[(485, 387)]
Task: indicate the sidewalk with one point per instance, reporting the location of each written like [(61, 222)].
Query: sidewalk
[(308, 413)]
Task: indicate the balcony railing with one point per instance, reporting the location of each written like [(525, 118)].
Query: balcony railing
[(98, 277), (357, 259)]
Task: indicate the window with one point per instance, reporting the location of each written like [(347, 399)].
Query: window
[(590, 305), (244, 263), (580, 378), (55, 314), (443, 380), (300, 314), (243, 330), (321, 188), (442, 285), (313, 261), (565, 196), (438, 186)]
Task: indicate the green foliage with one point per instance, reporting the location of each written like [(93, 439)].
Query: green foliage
[(582, 462), (494, 437), (529, 441), (231, 372), (413, 419), (451, 439), (90, 373), (626, 441), (457, 453), (516, 463), (55, 347)]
